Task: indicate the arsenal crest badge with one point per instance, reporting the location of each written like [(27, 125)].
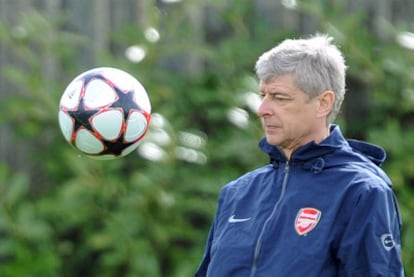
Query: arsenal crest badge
[(306, 220)]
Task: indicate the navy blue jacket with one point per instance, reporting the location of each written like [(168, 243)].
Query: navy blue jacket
[(328, 211)]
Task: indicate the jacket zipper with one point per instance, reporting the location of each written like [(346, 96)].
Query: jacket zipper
[(259, 242)]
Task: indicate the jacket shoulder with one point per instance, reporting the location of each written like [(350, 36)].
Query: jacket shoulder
[(248, 178)]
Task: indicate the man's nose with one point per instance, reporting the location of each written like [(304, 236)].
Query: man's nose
[(263, 108)]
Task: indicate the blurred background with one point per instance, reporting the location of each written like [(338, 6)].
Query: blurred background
[(62, 214)]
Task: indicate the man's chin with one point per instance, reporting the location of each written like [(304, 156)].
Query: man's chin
[(272, 140)]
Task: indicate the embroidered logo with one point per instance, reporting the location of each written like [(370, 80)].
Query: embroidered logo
[(306, 220), (387, 241), (232, 219)]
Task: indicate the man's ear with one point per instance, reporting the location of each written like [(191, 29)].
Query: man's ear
[(326, 102)]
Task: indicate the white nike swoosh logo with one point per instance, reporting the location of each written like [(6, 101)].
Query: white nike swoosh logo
[(232, 219)]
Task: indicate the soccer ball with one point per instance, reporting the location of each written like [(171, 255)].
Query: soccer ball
[(104, 112)]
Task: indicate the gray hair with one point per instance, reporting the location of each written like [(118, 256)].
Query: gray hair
[(316, 63)]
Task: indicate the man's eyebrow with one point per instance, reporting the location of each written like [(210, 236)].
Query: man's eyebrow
[(274, 92)]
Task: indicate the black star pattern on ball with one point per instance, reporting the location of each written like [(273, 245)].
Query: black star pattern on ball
[(124, 101), (115, 147), (81, 116)]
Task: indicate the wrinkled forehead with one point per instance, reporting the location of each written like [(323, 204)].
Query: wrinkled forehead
[(282, 83), (278, 78)]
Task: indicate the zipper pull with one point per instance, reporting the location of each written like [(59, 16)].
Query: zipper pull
[(287, 165)]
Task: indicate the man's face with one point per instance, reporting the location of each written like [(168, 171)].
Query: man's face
[(290, 119)]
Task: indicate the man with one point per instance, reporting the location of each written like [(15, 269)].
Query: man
[(322, 206)]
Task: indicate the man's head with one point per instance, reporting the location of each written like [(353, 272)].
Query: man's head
[(316, 64), (302, 83)]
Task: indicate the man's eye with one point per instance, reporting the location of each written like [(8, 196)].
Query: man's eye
[(279, 98), (275, 97)]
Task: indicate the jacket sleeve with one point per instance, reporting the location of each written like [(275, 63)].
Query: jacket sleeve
[(370, 244), (202, 268), (205, 262)]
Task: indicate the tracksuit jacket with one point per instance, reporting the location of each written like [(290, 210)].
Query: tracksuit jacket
[(328, 211)]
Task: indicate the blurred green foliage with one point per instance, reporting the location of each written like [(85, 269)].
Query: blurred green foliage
[(74, 216)]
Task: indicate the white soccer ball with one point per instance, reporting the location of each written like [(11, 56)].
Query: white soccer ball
[(105, 113)]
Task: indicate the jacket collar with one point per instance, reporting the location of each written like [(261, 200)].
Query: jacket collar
[(335, 141)]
